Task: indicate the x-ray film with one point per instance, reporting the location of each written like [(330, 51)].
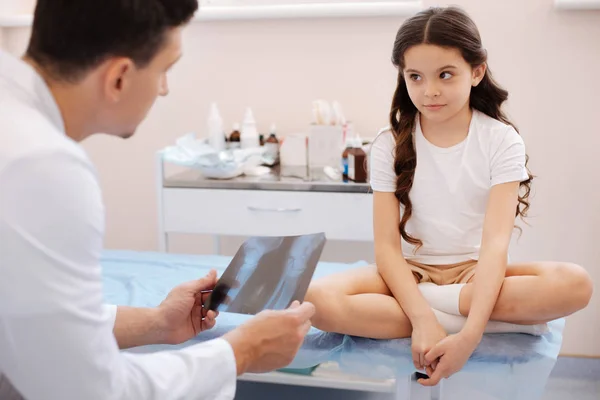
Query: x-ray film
[(267, 273)]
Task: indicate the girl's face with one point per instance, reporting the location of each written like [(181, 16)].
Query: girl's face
[(439, 80)]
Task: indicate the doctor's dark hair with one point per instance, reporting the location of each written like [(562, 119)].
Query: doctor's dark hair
[(71, 37), (448, 27)]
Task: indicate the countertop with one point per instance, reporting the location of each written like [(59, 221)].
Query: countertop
[(285, 179)]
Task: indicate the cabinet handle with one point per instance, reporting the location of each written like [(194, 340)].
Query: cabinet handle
[(283, 210)]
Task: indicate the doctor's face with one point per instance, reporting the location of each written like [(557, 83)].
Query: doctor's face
[(134, 90)]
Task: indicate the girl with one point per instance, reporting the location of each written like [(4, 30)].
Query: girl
[(446, 178)]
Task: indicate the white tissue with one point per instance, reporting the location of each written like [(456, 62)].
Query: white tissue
[(198, 154), (325, 113)]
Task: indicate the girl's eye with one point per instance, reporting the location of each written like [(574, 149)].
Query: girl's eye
[(415, 77), (445, 75)]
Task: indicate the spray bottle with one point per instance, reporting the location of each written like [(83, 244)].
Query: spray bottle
[(216, 134), (249, 134)]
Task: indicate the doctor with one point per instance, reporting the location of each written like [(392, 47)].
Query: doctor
[(98, 66)]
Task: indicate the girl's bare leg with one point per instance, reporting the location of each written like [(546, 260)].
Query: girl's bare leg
[(358, 302), (537, 292)]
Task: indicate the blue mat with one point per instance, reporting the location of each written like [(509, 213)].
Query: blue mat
[(145, 278)]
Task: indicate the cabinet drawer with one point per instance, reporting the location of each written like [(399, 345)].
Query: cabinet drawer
[(342, 216)]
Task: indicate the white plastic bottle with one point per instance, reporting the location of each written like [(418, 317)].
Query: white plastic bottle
[(249, 134), (216, 135), (271, 154)]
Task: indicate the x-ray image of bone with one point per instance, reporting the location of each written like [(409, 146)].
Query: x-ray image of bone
[(268, 272), (295, 283), (246, 262)]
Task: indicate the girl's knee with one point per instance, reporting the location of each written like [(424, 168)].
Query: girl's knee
[(325, 303), (314, 294), (577, 284)]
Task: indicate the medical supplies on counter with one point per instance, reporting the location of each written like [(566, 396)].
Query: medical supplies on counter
[(328, 142), (196, 153)]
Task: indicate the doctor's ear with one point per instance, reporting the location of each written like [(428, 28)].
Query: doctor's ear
[(118, 76)]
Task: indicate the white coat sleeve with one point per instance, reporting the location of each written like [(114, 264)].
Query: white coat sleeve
[(56, 337)]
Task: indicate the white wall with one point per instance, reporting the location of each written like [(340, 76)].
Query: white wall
[(12, 7), (548, 60), (16, 6)]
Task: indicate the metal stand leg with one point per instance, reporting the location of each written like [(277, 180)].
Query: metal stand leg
[(403, 388), (217, 244), (407, 388), (436, 392), (163, 242), (162, 235)]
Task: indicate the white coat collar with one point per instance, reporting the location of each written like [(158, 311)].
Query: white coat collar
[(24, 82)]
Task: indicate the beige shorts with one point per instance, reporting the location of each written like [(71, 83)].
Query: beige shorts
[(444, 274)]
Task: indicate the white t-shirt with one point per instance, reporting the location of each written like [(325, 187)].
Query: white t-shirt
[(451, 186), (56, 339)]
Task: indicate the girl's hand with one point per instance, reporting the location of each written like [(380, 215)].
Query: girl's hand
[(448, 357), (425, 336)]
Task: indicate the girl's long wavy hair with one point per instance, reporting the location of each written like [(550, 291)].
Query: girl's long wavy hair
[(448, 27)]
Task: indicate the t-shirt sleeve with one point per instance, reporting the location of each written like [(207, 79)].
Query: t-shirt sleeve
[(508, 159), (382, 174)]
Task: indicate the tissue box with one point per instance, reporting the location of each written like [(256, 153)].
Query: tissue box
[(325, 145), (292, 151)]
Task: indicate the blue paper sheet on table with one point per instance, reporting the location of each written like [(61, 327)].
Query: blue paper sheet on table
[(144, 279)]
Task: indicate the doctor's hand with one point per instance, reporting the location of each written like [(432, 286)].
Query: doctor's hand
[(270, 340), (448, 357), (181, 313)]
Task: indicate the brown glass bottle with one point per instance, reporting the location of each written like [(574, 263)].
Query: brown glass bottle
[(357, 169), (235, 137)]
